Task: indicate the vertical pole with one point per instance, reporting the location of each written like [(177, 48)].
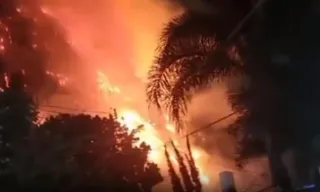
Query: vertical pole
[(227, 182)]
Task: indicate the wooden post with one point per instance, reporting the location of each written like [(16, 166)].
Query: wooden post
[(227, 182)]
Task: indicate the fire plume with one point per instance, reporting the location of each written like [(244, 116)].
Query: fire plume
[(150, 134), (116, 43)]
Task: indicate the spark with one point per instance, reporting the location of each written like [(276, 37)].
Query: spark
[(62, 80)]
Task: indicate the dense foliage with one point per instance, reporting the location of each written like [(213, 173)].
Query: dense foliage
[(68, 152), (17, 120)]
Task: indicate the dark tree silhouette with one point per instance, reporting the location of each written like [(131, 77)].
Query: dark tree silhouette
[(265, 54), (17, 120), (174, 177), (191, 55), (183, 169), (194, 172), (81, 152), (68, 152), (189, 181), (197, 59), (195, 54)]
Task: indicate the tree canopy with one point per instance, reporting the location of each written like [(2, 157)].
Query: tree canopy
[(68, 152), (92, 152), (17, 120)]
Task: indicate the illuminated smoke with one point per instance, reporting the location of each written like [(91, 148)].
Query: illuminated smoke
[(115, 41), (32, 41)]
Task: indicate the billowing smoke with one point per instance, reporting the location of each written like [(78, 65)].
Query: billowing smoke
[(118, 38)]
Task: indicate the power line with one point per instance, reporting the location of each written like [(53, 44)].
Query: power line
[(211, 124), (76, 110), (167, 142), (245, 19)]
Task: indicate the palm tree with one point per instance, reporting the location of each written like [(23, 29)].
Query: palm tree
[(195, 50), (192, 54)]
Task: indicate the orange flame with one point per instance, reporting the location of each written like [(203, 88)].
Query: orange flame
[(149, 133), (127, 37)]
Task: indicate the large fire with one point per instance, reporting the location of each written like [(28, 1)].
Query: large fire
[(118, 46), (149, 133), (115, 42)]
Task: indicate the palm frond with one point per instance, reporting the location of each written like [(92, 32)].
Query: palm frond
[(196, 74), (192, 53), (171, 58), (174, 60), (186, 36), (192, 24)]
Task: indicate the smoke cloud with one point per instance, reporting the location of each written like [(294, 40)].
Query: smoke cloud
[(118, 38)]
